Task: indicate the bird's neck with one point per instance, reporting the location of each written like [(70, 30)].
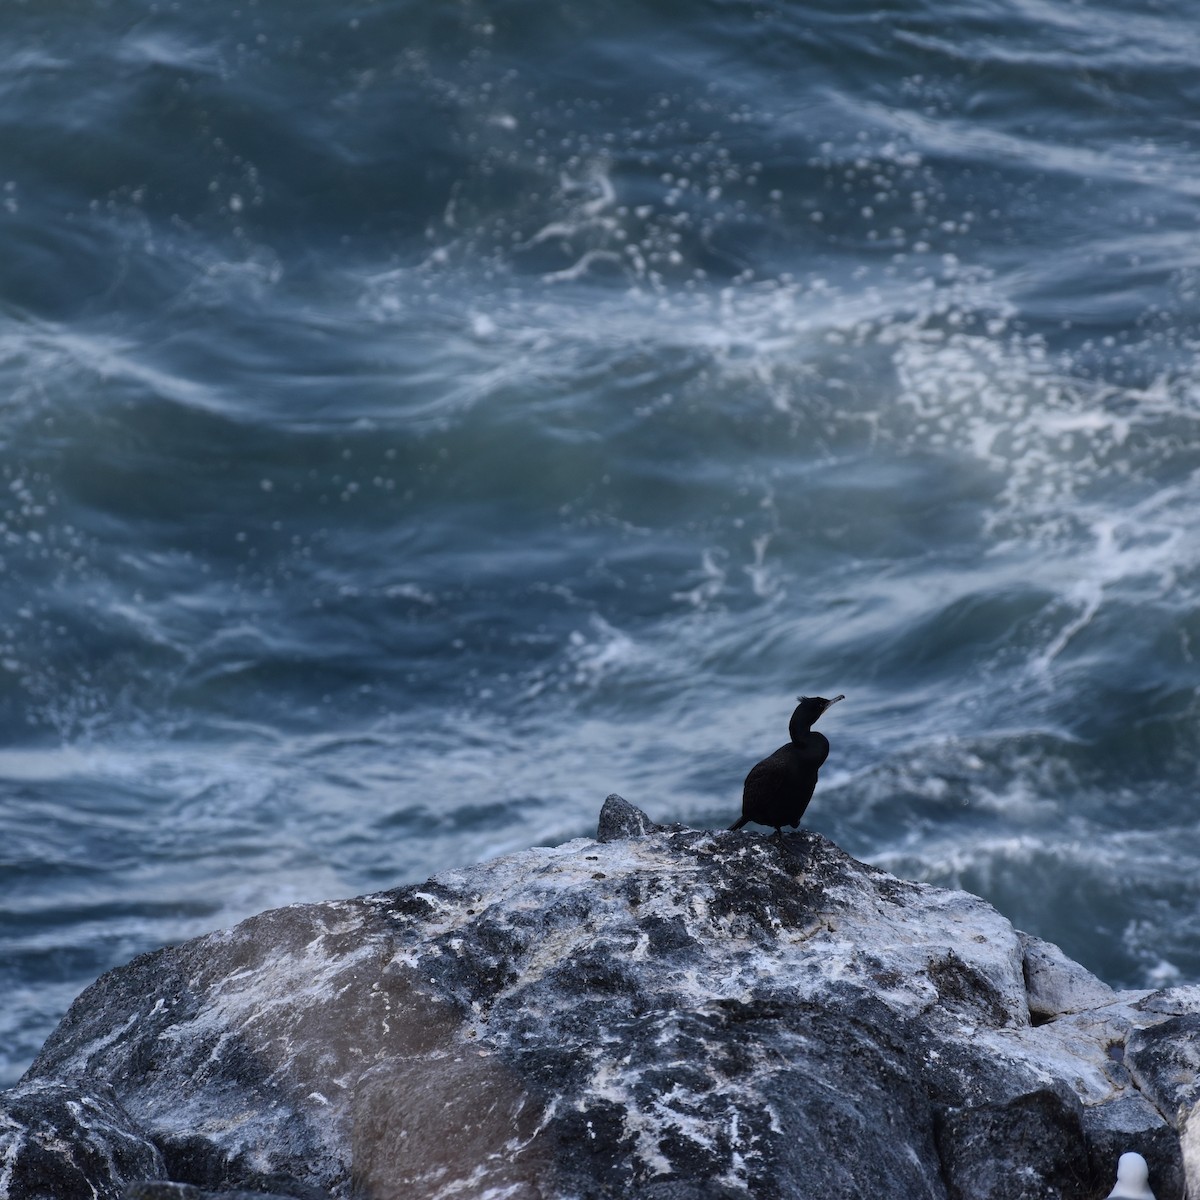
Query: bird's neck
[(811, 747)]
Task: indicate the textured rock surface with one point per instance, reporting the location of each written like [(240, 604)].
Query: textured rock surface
[(1055, 985), (67, 1143), (161, 1189), (661, 1013)]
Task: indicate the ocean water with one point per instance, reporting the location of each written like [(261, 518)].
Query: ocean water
[(418, 421)]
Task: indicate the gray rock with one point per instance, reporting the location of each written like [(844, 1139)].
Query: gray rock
[(1189, 1143), (1164, 1060), (1056, 985), (1044, 1128), (620, 819), (60, 1142), (163, 1189), (1172, 1001), (660, 1012), (413, 1126)]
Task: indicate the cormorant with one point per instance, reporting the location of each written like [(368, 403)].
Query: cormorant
[(778, 789)]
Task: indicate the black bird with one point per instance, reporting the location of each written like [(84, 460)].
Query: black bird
[(778, 789)]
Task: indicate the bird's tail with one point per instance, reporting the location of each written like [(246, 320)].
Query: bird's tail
[(740, 822)]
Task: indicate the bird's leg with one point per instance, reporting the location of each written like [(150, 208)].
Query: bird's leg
[(786, 844)]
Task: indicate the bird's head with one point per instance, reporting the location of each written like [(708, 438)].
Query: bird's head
[(807, 711)]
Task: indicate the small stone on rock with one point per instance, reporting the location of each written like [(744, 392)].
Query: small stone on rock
[(619, 819)]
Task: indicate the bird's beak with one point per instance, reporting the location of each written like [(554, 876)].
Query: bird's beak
[(832, 703)]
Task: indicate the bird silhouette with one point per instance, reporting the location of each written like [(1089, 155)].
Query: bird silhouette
[(778, 789)]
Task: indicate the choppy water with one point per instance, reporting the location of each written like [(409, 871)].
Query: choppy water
[(418, 421)]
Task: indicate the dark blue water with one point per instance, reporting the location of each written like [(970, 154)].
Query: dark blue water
[(420, 420)]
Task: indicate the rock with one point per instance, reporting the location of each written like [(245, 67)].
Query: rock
[(976, 1143), (1189, 1141), (619, 819), (1164, 1059), (412, 1127), (661, 1012), (1172, 1002), (162, 1189), (1056, 985), (61, 1142)]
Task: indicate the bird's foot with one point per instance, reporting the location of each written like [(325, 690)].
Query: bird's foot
[(786, 842)]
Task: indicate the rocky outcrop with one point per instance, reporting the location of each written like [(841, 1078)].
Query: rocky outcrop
[(660, 1012)]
